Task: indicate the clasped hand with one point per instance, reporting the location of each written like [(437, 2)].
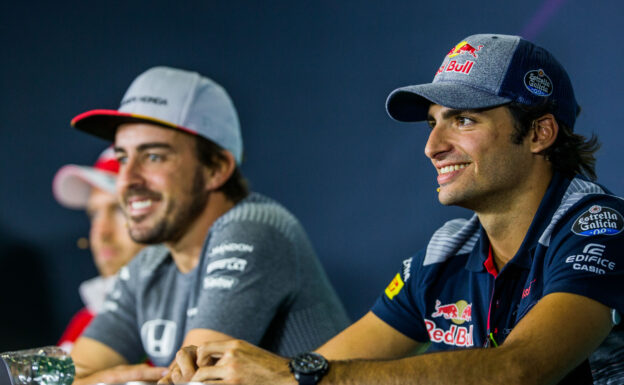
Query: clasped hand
[(228, 362)]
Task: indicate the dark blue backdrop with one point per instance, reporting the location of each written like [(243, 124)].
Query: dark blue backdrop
[(309, 79)]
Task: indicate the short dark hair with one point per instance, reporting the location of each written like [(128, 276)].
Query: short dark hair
[(210, 154), (570, 154)]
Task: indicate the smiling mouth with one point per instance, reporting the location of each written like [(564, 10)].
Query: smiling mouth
[(139, 205), (451, 168), (138, 208)]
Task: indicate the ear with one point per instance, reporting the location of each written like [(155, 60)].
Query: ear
[(217, 175), (544, 132)]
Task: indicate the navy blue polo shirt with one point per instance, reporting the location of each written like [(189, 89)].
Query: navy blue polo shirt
[(450, 294)]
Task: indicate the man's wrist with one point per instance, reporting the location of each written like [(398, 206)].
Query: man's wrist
[(308, 368)]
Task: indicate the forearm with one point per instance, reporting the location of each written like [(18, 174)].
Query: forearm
[(120, 374), (93, 378), (466, 367)]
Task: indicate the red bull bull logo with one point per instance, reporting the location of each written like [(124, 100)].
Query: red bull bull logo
[(458, 312), (462, 48), (455, 65)]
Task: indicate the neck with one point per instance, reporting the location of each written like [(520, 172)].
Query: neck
[(186, 251), (507, 225)]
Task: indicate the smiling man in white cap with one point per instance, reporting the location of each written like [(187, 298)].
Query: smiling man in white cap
[(232, 264), (520, 293), (93, 189)]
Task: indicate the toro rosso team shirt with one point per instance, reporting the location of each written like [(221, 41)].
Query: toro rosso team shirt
[(451, 295)]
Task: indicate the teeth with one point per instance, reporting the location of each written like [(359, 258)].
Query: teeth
[(454, 167), (137, 205)]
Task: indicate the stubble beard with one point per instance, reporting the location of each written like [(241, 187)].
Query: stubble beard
[(491, 193), (177, 219)]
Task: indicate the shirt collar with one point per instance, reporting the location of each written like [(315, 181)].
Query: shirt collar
[(549, 204)]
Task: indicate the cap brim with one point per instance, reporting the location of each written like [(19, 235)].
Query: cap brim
[(104, 123), (411, 103), (72, 184)]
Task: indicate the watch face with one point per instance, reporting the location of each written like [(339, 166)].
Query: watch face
[(307, 363)]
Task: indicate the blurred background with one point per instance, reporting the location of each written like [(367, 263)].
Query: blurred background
[(309, 80)]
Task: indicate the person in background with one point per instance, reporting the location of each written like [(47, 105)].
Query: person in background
[(93, 189), (223, 262)]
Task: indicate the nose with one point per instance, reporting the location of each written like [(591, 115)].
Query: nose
[(129, 174), (437, 143)]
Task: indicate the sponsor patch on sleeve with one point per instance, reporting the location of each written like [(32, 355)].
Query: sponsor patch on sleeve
[(598, 220), (395, 286), (592, 259)]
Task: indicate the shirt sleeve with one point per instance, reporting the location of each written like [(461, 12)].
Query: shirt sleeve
[(116, 325), (250, 272), (398, 305), (586, 255)]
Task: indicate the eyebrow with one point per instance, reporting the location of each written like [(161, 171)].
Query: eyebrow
[(147, 146), (452, 112)]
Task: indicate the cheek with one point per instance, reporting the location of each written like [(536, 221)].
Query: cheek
[(95, 232), (160, 182)]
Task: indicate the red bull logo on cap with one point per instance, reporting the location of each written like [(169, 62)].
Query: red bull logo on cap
[(464, 47), (456, 66), (458, 312)]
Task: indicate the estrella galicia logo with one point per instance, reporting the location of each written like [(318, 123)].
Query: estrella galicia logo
[(538, 83), (598, 220)]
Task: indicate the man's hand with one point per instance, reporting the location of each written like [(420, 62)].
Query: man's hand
[(239, 362), (183, 368), (123, 373)]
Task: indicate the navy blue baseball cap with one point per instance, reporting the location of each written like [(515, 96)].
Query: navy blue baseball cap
[(489, 70)]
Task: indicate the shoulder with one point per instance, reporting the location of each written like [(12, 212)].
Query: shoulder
[(587, 209), (580, 196), (456, 236), (261, 213)]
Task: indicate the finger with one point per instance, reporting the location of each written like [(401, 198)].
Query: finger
[(216, 349), (164, 381), (150, 374), (207, 360), (176, 376), (185, 359), (210, 373)]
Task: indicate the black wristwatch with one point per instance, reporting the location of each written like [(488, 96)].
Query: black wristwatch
[(308, 368)]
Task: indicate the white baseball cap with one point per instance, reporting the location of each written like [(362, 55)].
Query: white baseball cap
[(72, 183)]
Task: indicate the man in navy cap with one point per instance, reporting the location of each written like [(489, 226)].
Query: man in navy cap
[(223, 262), (520, 293)]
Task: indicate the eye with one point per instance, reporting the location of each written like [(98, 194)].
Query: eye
[(122, 159), (431, 123), (155, 157), (464, 120)]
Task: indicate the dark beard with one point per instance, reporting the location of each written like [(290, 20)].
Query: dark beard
[(175, 224)]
